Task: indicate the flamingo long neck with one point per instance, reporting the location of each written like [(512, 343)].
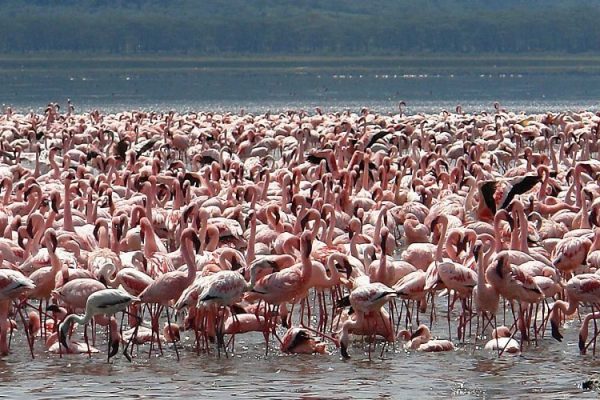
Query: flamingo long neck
[(553, 157), (354, 246), (8, 191), (67, 213), (378, 224), (567, 308), (365, 177), (36, 172), (481, 270), (543, 187), (178, 200), (470, 199), (577, 178), (34, 202), (442, 241), (585, 222), (80, 319), (285, 194), (368, 255), (316, 217), (54, 165), (524, 230), (103, 239), (250, 250), (300, 150), (34, 245), (515, 238), (497, 233), (383, 264), (55, 262), (89, 207), (334, 278), (265, 187), (111, 172), (150, 202), (307, 267), (151, 246), (331, 231)]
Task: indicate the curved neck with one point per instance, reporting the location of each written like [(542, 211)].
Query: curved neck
[(188, 257)]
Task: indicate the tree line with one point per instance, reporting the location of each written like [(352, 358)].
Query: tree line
[(134, 28)]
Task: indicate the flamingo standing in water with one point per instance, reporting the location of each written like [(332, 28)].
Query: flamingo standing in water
[(13, 285), (486, 296), (103, 302), (366, 299), (169, 286), (289, 284), (223, 289), (582, 288)]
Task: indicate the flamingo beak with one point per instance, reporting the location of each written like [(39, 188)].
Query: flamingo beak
[(344, 351), (114, 348), (62, 335), (555, 331)]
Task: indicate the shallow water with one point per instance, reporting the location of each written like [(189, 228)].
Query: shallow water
[(549, 371)]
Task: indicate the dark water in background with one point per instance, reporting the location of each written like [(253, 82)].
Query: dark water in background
[(256, 88), (550, 371)]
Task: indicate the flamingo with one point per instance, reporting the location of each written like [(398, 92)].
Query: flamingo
[(169, 286), (584, 288), (364, 299), (301, 341), (13, 285), (422, 340), (103, 302)]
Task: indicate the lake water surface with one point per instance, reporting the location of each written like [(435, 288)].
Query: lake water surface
[(259, 87)]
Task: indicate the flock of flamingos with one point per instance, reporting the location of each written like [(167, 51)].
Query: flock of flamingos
[(314, 230)]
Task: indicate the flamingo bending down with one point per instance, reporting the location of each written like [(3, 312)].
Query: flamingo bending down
[(366, 299), (103, 302), (421, 340), (301, 340), (502, 341)]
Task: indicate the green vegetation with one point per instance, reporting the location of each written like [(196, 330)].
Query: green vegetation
[(283, 27)]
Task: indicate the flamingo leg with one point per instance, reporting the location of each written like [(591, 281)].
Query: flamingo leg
[(29, 339), (170, 333), (133, 336)]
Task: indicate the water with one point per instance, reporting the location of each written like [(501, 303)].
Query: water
[(112, 87), (550, 371)]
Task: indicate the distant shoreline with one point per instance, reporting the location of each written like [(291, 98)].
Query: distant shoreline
[(418, 63)]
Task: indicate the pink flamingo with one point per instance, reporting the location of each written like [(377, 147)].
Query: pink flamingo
[(364, 299), (13, 285), (422, 340), (584, 288), (169, 286), (301, 341)]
